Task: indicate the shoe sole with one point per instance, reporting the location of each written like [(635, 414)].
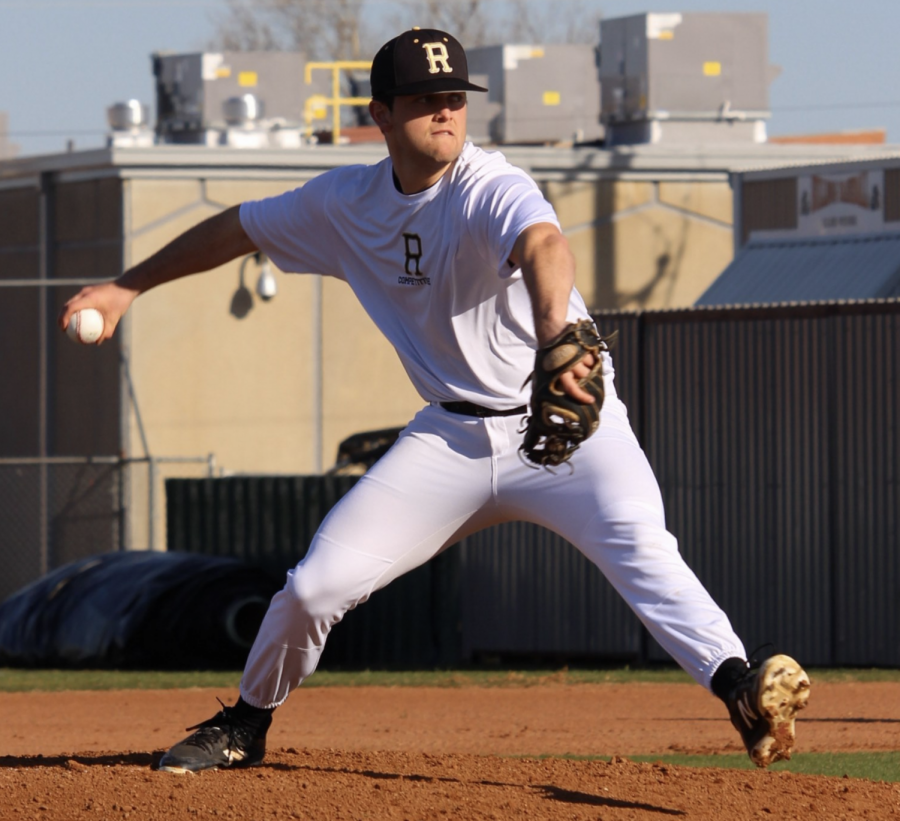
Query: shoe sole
[(174, 768), (180, 770), (783, 692)]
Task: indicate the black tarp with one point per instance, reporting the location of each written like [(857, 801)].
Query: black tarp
[(137, 610)]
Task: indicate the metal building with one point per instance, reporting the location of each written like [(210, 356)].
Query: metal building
[(693, 77), (216, 98), (814, 232), (542, 93)]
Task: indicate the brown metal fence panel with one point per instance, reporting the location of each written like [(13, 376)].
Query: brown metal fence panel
[(269, 522), (736, 430), (864, 363), (627, 354), (526, 592), (773, 433)]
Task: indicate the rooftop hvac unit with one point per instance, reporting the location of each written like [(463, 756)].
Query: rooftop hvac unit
[(129, 125), (222, 98), (687, 76), (540, 94), (481, 111)]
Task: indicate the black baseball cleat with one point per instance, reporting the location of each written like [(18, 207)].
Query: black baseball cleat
[(223, 741), (763, 705)]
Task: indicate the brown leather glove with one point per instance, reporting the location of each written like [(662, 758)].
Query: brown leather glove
[(558, 423)]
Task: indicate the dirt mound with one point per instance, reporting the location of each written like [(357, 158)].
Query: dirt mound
[(405, 753), (316, 784)]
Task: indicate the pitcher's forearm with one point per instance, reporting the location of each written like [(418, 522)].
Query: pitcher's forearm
[(213, 242), (548, 268), (207, 245)]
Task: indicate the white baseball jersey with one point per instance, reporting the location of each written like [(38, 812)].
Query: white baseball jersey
[(429, 268)]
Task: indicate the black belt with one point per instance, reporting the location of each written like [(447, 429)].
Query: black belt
[(471, 409)]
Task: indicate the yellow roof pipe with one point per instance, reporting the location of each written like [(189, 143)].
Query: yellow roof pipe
[(318, 101)]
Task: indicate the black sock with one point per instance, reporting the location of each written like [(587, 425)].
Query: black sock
[(250, 714), (729, 673)]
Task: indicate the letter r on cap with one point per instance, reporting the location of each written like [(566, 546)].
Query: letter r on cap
[(438, 58)]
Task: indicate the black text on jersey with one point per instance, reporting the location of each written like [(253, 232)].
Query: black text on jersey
[(414, 274)]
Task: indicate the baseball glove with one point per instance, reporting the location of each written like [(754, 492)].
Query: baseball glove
[(558, 424)]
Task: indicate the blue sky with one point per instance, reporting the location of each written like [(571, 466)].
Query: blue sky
[(63, 62)]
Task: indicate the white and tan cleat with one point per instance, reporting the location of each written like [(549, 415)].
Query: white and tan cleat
[(763, 707)]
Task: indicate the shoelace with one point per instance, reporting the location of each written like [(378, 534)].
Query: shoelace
[(755, 661), (209, 731)]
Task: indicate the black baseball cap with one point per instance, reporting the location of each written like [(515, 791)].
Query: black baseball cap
[(421, 61)]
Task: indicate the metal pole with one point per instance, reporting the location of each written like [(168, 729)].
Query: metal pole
[(336, 106), (151, 502), (43, 388), (126, 389), (126, 372), (318, 368)]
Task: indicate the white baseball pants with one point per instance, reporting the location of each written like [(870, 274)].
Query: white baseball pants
[(449, 476)]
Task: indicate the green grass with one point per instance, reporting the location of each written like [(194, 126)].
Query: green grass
[(53, 681), (20, 680), (16, 680), (872, 766), (883, 766)]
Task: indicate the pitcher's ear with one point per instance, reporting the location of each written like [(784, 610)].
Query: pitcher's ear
[(381, 114)]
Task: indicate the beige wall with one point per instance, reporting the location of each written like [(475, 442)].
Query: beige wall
[(365, 387), (645, 244), (244, 389)]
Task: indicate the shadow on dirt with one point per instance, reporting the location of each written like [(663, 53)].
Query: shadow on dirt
[(851, 720), (79, 762), (573, 797), (549, 791)]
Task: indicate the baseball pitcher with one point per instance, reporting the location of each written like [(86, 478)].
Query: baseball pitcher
[(460, 262)]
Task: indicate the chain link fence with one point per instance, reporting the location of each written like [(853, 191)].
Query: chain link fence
[(55, 510)]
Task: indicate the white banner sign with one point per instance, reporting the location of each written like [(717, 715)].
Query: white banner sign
[(837, 204), (851, 204)]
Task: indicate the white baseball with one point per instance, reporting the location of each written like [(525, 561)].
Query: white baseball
[(85, 326)]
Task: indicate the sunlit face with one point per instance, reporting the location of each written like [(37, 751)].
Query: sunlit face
[(427, 127)]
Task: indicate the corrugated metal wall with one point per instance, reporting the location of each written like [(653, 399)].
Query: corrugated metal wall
[(735, 427), (774, 434), (269, 522), (526, 592), (865, 488)]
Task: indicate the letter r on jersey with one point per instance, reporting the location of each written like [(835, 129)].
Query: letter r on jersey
[(413, 253), (438, 58)]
